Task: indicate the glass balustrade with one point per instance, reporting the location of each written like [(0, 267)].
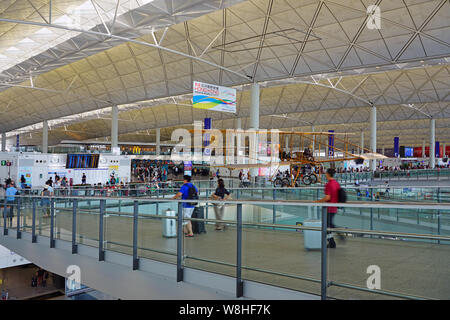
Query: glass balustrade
[(409, 241)]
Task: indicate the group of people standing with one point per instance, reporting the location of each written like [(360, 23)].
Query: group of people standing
[(189, 191)]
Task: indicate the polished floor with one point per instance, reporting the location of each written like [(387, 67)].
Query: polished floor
[(407, 267)]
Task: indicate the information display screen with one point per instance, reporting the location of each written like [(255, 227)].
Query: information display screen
[(82, 161), (409, 152)]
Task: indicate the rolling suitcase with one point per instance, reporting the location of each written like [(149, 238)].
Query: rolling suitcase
[(169, 226), (312, 239), (198, 226)]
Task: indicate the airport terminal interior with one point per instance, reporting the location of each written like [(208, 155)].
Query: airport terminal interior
[(225, 149)]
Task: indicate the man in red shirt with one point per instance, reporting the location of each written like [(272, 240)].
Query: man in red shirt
[(332, 196)]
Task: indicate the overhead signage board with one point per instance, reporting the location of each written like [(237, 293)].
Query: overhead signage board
[(214, 98)]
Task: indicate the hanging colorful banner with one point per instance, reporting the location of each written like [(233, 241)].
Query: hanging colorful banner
[(214, 98), (396, 147)]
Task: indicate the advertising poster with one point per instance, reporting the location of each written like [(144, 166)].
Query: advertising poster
[(188, 168), (26, 172), (214, 98), (113, 170)]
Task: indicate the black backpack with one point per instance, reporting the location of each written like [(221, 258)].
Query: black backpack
[(192, 195), (342, 195)]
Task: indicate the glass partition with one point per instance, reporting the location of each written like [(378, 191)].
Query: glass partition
[(278, 242)]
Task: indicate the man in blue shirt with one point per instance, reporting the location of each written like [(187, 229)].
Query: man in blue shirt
[(188, 209), (10, 193)]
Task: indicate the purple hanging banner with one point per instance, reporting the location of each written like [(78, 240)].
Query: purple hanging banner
[(396, 147), (331, 143)]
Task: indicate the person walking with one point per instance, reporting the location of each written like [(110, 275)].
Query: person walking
[(187, 191), (221, 193), (331, 196), (10, 193)]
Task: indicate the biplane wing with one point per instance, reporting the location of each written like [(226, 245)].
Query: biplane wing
[(371, 156), (255, 165), (242, 131)]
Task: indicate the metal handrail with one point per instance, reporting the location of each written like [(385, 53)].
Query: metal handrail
[(239, 224), (300, 203)]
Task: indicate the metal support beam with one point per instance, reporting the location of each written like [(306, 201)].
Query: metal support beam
[(323, 260), (101, 251), (33, 222), (18, 233), (239, 283), (52, 223), (102, 34), (135, 234), (74, 226), (180, 242), (5, 220)]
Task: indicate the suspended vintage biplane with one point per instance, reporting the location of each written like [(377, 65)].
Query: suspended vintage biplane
[(306, 156)]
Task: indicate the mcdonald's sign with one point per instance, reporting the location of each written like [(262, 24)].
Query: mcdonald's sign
[(137, 150)]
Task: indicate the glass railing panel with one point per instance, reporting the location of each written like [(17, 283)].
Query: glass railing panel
[(63, 214), (278, 256), (88, 220), (214, 250), (43, 210), (157, 237), (406, 265)]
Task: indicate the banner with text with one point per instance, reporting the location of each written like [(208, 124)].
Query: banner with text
[(214, 98)]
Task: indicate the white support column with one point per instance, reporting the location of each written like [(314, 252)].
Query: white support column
[(254, 107), (3, 142), (444, 146), (433, 143), (362, 143), (373, 135), (158, 141), (45, 136), (115, 130), (313, 142), (383, 151), (239, 151), (254, 125), (423, 149)]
